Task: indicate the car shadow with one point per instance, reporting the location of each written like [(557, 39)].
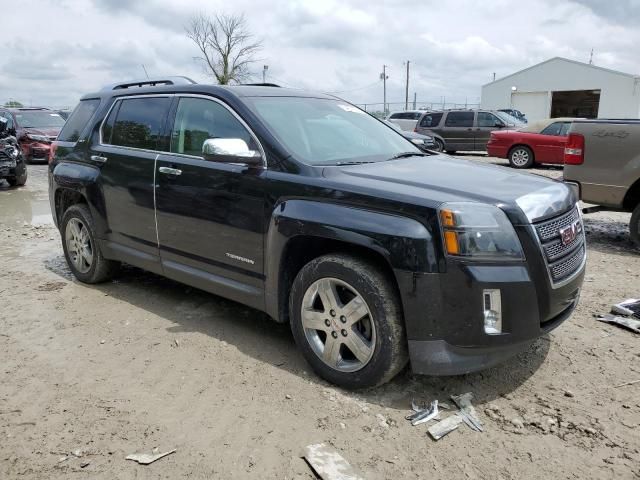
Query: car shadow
[(253, 333), (609, 236)]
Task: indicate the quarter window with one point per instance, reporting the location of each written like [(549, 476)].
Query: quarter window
[(553, 129), (486, 119), (198, 119), (431, 120), (139, 122), (564, 130), (459, 119), (78, 120)]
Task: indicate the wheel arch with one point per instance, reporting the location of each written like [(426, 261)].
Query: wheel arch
[(302, 230), (632, 197)]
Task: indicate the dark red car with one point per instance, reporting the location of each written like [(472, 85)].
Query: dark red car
[(35, 129), (538, 142)]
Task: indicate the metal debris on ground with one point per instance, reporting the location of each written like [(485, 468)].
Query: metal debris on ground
[(448, 425), (629, 308), (626, 322), (423, 415), (146, 458), (328, 464), (467, 411)]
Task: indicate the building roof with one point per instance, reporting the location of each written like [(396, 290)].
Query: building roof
[(582, 64)]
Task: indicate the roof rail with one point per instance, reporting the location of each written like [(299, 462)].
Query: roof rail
[(151, 83), (259, 85)]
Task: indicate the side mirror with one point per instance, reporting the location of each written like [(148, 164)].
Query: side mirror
[(230, 150), (499, 125)]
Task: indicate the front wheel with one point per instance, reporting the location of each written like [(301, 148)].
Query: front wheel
[(21, 175), (346, 319), (634, 226), (439, 145), (81, 250), (521, 157)]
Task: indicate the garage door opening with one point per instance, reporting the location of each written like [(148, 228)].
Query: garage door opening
[(575, 103)]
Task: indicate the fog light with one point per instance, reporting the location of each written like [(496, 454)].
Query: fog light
[(492, 306)]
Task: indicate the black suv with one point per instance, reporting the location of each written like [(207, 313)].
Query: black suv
[(466, 130), (304, 207)]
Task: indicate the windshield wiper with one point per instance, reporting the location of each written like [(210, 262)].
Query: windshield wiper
[(409, 154), (351, 163)]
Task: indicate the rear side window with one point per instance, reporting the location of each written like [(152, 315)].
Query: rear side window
[(139, 122), (396, 116), (78, 120), (431, 120), (564, 130), (459, 119), (553, 129), (415, 115)]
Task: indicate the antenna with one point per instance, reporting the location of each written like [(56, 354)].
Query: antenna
[(145, 71), (591, 57)]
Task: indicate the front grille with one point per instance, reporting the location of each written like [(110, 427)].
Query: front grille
[(563, 260)]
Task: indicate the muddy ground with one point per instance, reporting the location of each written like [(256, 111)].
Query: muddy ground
[(143, 362)]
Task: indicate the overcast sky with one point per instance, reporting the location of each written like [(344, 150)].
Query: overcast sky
[(53, 51)]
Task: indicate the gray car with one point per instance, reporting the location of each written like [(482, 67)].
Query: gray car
[(466, 130)]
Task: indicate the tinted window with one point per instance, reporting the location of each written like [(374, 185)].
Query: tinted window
[(486, 119), (139, 122), (564, 131), (78, 120), (431, 120), (38, 119), (198, 119), (553, 129), (9, 118), (415, 115), (396, 116), (459, 119)]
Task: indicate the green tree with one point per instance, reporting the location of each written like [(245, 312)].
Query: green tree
[(226, 46), (13, 104)]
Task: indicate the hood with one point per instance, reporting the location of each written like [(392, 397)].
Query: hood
[(48, 131), (436, 179), (407, 134)]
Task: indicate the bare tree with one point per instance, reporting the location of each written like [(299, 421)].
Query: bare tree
[(226, 46)]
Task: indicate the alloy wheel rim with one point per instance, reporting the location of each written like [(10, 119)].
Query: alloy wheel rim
[(520, 157), (79, 245), (338, 325)]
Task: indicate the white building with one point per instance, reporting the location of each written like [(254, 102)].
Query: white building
[(565, 88)]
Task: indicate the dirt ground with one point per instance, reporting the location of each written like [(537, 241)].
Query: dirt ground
[(91, 374)]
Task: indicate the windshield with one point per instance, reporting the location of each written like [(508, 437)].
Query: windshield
[(328, 132), (39, 119), (510, 120)]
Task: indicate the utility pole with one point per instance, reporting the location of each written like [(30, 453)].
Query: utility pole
[(415, 99), (406, 97), (264, 73), (384, 78), (591, 57), (494, 76)]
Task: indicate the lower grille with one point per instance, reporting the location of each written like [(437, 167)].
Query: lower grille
[(564, 255)]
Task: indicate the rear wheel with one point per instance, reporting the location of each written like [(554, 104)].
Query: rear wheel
[(521, 157), (439, 145), (81, 249), (347, 320), (634, 226)]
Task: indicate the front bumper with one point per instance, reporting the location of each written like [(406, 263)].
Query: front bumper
[(444, 312), (36, 151), (7, 168)]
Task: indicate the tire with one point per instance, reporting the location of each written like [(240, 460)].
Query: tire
[(21, 176), (521, 157), (376, 328), (439, 145), (451, 152), (634, 226), (97, 269)]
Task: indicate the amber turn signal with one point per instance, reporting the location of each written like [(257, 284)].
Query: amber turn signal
[(451, 242), (447, 218)]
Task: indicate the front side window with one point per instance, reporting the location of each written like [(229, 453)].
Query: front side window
[(320, 131), (431, 120), (486, 119), (9, 118), (139, 122), (553, 129), (459, 119), (78, 120), (198, 119)]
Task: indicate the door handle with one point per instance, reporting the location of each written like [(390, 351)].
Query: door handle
[(170, 171), (98, 158)]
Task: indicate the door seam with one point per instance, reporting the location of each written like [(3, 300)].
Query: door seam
[(155, 209)]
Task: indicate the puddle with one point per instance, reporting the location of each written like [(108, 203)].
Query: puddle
[(23, 205)]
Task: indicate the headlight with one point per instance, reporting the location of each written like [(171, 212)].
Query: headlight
[(479, 231), (38, 138), (417, 141)]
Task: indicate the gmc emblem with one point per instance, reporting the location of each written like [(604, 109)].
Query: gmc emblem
[(569, 233)]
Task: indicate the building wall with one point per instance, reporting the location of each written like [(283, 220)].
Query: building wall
[(619, 96)]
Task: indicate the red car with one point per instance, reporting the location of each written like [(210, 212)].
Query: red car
[(35, 129), (538, 142)]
